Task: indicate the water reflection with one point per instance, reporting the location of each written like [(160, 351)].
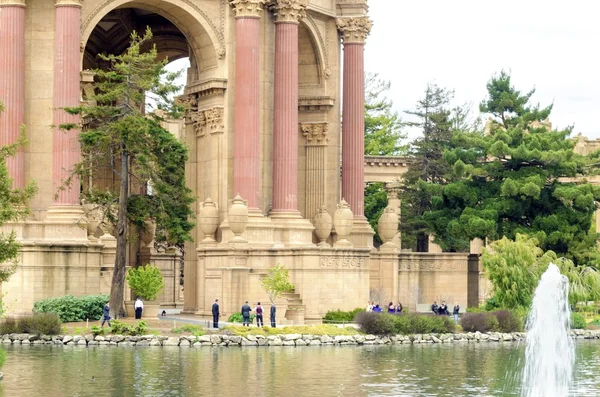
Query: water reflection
[(442, 370)]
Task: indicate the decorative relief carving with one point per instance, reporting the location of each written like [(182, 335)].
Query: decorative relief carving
[(315, 103), (247, 8), (207, 88), (324, 44), (12, 3), (214, 119), (433, 265), (315, 133), (342, 262), (354, 29), (288, 11), (68, 3)]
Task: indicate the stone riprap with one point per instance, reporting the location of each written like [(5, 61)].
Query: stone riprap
[(272, 340)]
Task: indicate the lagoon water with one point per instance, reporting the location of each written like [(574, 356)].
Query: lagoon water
[(484, 369)]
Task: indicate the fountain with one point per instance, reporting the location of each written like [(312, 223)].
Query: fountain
[(549, 355)]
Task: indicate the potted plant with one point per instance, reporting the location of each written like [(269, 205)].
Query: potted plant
[(146, 282)]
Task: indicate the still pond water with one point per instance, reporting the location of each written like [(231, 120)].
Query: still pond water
[(485, 369)]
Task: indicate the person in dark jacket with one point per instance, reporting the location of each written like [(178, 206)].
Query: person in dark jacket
[(273, 312), (246, 314), (455, 312), (106, 315), (399, 308), (435, 308), (259, 315), (216, 313)]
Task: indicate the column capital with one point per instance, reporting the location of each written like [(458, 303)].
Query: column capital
[(12, 3), (354, 29), (68, 3), (315, 133), (247, 8), (288, 11)]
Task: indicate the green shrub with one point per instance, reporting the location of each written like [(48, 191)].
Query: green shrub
[(338, 316), (508, 321), (368, 322), (97, 330), (2, 357), (492, 304), (8, 326), (120, 328), (383, 323), (482, 322), (577, 321), (138, 329), (26, 325), (237, 318), (146, 281), (72, 309), (46, 324)]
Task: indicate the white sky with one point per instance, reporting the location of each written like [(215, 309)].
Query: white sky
[(551, 45)]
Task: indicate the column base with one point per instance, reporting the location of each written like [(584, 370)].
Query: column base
[(362, 233), (290, 229), (66, 223), (389, 247)]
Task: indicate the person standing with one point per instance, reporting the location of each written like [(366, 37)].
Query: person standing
[(273, 312), (216, 313), (369, 307), (455, 312), (139, 307), (246, 314), (106, 315), (259, 315)]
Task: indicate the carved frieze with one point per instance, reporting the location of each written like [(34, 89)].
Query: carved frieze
[(247, 8), (207, 121), (288, 11), (354, 29), (12, 3), (207, 88), (342, 262), (315, 133), (315, 103), (68, 3)]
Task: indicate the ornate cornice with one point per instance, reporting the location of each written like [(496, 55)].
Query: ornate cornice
[(68, 3), (315, 103), (354, 29), (315, 133), (288, 11), (353, 7), (12, 3), (247, 8), (207, 120), (207, 88)]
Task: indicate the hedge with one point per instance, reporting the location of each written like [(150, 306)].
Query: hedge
[(385, 324), (338, 316), (72, 309), (39, 323), (498, 321)]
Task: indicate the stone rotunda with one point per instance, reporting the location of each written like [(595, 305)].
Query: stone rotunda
[(265, 140)]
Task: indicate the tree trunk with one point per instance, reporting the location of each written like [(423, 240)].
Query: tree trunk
[(118, 281)]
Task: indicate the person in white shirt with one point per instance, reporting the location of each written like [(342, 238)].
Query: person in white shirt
[(139, 307), (369, 307)]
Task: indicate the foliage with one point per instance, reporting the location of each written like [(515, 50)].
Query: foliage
[(517, 178), (72, 309), (482, 322), (382, 125), (375, 202), (237, 318), (427, 169), (297, 329), (97, 330), (195, 330), (338, 316), (277, 282), (2, 357), (577, 321), (146, 281), (13, 206), (383, 323), (121, 328), (508, 321), (146, 160), (38, 323)]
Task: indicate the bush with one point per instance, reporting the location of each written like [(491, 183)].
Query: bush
[(382, 324), (237, 318), (39, 323), (8, 326), (96, 330), (2, 357), (577, 321), (26, 325), (367, 322), (119, 328), (72, 309), (508, 321), (482, 322), (146, 281), (338, 316)]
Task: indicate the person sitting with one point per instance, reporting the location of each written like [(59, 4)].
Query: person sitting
[(369, 307), (399, 308), (377, 309), (443, 310), (435, 308), (391, 308)]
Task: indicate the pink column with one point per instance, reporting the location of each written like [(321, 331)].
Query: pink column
[(12, 83), (354, 32), (67, 60), (285, 126), (246, 167)]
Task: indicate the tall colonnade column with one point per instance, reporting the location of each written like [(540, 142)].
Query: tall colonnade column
[(12, 82), (285, 118), (246, 167), (66, 149), (354, 33)]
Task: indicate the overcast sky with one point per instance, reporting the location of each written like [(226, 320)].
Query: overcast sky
[(550, 45)]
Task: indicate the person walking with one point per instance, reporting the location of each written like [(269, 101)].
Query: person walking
[(455, 312), (216, 313), (259, 315), (273, 312), (139, 307), (246, 314), (106, 315)]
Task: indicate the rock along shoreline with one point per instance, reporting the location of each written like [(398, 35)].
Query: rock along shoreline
[(219, 340)]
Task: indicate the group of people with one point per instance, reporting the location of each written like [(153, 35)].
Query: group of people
[(391, 308), (442, 310), (246, 310), (138, 307)]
